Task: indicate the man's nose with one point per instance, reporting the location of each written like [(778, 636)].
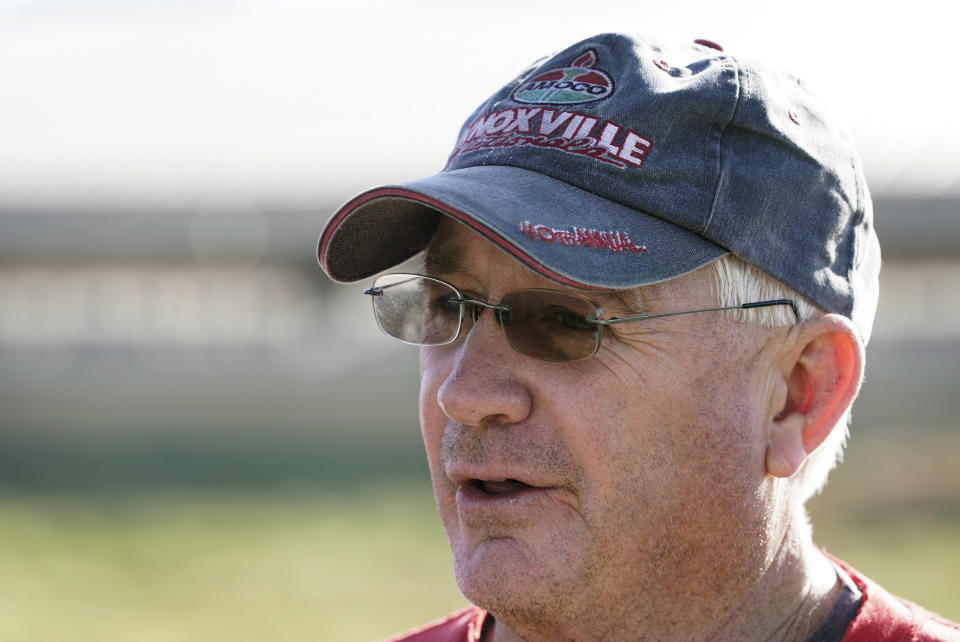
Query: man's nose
[(483, 383)]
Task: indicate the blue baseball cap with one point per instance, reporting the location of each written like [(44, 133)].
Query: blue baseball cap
[(621, 162)]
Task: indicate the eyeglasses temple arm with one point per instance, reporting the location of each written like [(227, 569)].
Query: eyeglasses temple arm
[(763, 304), (745, 306), (377, 290)]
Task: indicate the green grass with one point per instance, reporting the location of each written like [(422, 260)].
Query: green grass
[(170, 567)]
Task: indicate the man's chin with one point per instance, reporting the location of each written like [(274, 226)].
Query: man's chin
[(505, 577)]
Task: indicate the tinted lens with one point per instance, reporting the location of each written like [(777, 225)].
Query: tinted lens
[(417, 309), (550, 325)]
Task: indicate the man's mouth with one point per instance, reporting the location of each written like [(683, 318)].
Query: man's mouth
[(481, 489), (495, 495), (498, 486)]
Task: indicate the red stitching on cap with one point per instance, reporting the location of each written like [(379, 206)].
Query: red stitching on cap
[(564, 130), (615, 240), (708, 43)]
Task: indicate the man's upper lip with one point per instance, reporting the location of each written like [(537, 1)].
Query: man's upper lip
[(463, 473)]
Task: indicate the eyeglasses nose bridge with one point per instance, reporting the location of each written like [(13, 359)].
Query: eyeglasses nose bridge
[(475, 307)]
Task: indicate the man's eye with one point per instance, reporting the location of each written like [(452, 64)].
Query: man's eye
[(565, 318)]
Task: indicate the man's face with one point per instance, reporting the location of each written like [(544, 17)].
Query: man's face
[(598, 488)]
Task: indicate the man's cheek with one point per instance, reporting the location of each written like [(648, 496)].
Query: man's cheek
[(432, 421), (429, 385)]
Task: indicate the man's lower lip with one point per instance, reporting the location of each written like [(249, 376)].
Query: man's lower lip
[(473, 499)]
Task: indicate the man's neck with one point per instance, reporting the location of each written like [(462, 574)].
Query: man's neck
[(790, 602)]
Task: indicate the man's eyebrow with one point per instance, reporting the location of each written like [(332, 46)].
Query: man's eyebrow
[(446, 260), (632, 301)]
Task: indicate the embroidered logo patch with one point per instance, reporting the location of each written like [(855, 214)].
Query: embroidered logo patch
[(578, 83), (558, 129)]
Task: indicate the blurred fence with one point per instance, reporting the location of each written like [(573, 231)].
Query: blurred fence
[(204, 346)]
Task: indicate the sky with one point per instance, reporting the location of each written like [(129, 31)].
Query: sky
[(288, 101)]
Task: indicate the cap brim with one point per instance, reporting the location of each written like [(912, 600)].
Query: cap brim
[(565, 233)]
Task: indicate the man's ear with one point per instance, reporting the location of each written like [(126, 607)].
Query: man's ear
[(822, 368)]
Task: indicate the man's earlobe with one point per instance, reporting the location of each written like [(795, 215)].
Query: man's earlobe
[(821, 381)]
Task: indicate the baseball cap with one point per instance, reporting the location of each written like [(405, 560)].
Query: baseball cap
[(621, 162)]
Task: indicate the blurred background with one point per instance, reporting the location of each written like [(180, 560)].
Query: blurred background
[(201, 438)]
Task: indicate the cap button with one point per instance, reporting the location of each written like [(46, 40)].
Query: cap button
[(708, 43)]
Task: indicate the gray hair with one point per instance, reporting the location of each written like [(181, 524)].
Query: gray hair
[(735, 282)]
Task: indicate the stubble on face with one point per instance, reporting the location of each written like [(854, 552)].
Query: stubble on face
[(492, 553), (640, 545)]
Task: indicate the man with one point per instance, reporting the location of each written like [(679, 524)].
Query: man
[(649, 275)]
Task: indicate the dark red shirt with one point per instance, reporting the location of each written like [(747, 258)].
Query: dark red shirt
[(884, 617)]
